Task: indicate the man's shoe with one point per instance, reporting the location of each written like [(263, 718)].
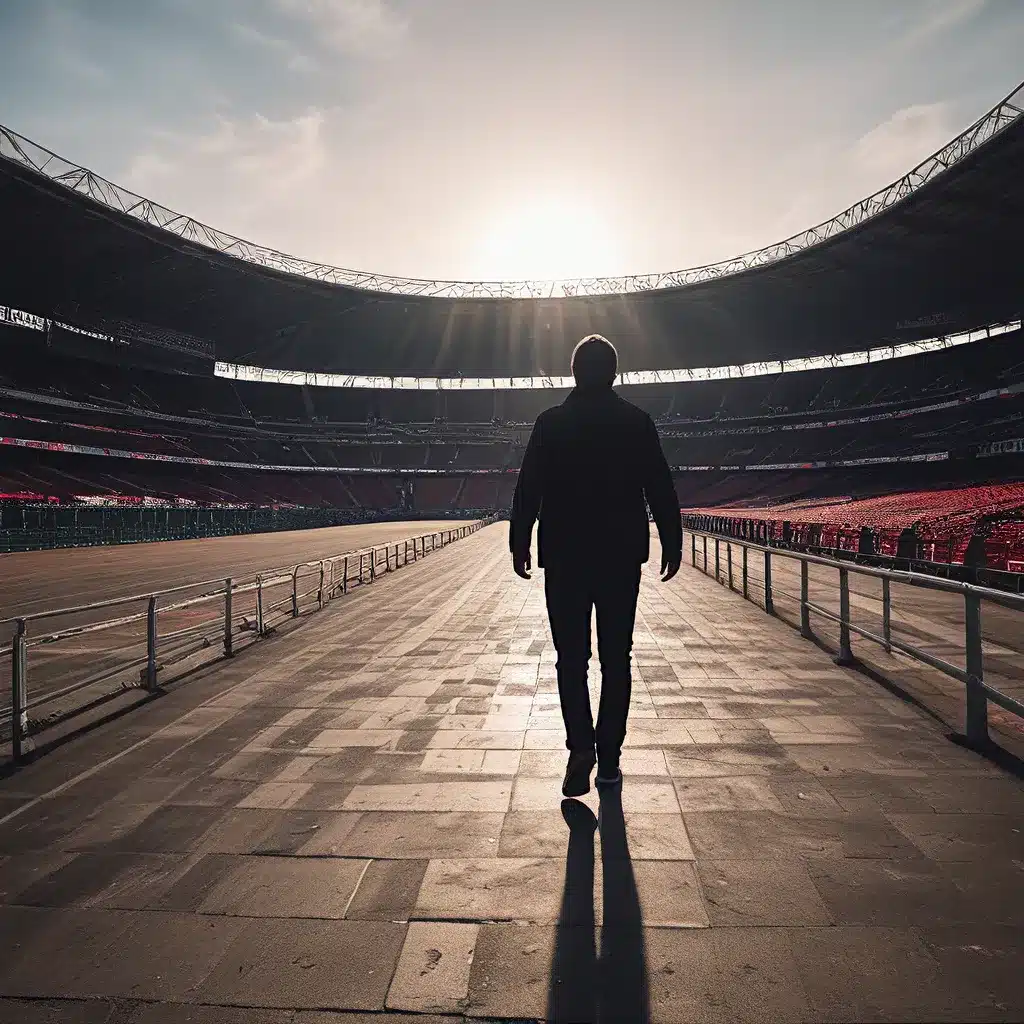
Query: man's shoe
[(608, 774), (577, 773)]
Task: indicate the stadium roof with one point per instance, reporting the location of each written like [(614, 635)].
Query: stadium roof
[(936, 251)]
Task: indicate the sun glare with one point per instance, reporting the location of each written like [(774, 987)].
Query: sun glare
[(548, 239)]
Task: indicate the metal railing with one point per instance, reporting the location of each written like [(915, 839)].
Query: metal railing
[(247, 607), (972, 674)]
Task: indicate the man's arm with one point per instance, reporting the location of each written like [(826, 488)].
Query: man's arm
[(660, 492), (526, 504)]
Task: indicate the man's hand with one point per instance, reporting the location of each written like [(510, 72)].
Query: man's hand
[(522, 565), (669, 566)]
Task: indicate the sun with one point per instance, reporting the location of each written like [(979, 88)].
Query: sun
[(547, 239)]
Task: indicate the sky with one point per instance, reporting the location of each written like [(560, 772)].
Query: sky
[(483, 139)]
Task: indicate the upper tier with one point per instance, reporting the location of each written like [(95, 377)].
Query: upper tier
[(935, 251)]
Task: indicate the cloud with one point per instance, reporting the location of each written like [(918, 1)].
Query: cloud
[(353, 27), (838, 172), (902, 141), (292, 57), (940, 17), (244, 171)]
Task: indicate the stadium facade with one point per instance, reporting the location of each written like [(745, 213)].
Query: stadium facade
[(154, 360)]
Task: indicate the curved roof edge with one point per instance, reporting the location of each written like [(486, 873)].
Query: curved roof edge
[(78, 179)]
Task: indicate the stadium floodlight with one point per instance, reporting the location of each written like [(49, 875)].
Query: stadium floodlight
[(18, 149)]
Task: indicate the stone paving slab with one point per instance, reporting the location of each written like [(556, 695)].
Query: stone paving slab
[(362, 821)]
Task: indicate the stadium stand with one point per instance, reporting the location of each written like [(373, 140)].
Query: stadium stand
[(109, 392), (933, 526)]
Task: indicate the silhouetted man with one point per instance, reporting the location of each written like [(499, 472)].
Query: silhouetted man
[(590, 464)]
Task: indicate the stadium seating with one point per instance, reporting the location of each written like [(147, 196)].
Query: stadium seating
[(942, 521)]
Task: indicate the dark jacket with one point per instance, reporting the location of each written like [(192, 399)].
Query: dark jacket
[(590, 464)]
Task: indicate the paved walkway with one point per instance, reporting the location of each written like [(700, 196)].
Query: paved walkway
[(364, 816)]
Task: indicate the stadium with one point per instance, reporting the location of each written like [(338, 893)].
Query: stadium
[(150, 358), (850, 398)]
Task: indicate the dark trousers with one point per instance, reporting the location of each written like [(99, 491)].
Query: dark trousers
[(573, 592)]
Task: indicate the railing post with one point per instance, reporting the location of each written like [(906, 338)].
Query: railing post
[(260, 624), (976, 715), (718, 560), (344, 578), (693, 550), (845, 656), (373, 564), (228, 647), (728, 559), (19, 692), (705, 540), (744, 570), (769, 603), (886, 615), (295, 592), (805, 612), (151, 645), (320, 592)]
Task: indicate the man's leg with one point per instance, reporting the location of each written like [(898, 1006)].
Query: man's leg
[(569, 610), (615, 598)]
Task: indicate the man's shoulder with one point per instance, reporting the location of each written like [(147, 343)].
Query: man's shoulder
[(632, 413), (548, 415)]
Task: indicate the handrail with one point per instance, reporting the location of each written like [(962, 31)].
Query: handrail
[(913, 579), (978, 692), (327, 583)]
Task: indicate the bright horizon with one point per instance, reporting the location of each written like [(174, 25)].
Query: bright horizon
[(457, 140)]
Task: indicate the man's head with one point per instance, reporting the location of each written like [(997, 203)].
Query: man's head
[(594, 362)]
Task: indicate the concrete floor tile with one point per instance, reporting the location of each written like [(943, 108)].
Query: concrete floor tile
[(726, 794), (858, 974), (452, 761), (338, 739), (286, 887), (533, 834), (483, 740), (167, 830), (57, 1011), (21, 871), (682, 765), (668, 891), (421, 835), (431, 796), (657, 836), (956, 837), (511, 976), (236, 831), (752, 893), (275, 796), (544, 739), (387, 890), (983, 964), (919, 893), (493, 889), (433, 969), (186, 1013), (109, 824), (307, 965)]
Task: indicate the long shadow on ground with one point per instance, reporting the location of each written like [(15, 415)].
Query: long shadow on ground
[(587, 984)]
